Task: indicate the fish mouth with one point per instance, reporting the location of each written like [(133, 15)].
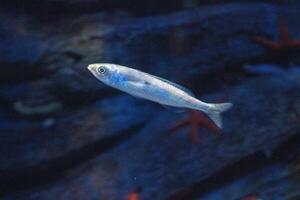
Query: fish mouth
[(90, 67)]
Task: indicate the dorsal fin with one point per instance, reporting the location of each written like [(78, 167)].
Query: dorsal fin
[(175, 85)]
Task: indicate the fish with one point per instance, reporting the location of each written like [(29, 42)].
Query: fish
[(143, 85)]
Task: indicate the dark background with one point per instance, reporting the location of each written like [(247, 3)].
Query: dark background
[(65, 135)]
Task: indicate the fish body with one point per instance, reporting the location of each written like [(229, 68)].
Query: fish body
[(153, 88)]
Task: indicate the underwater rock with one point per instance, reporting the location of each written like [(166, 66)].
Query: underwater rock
[(55, 135), (48, 9), (37, 103), (202, 42), (277, 180), (42, 109), (19, 46), (9, 93), (20, 50), (161, 164), (101, 145)]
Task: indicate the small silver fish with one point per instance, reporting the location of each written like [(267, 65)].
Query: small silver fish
[(164, 92)]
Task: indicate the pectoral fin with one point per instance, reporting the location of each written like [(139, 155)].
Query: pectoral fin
[(136, 86)]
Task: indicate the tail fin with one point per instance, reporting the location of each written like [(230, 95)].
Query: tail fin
[(215, 111)]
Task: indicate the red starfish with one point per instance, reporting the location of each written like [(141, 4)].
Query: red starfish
[(195, 120), (251, 197), (134, 195), (285, 43)]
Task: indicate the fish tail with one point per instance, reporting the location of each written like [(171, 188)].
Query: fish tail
[(214, 112)]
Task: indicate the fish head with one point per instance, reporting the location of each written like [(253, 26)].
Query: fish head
[(104, 72), (114, 75)]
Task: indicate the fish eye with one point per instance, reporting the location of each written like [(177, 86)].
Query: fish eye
[(101, 69)]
